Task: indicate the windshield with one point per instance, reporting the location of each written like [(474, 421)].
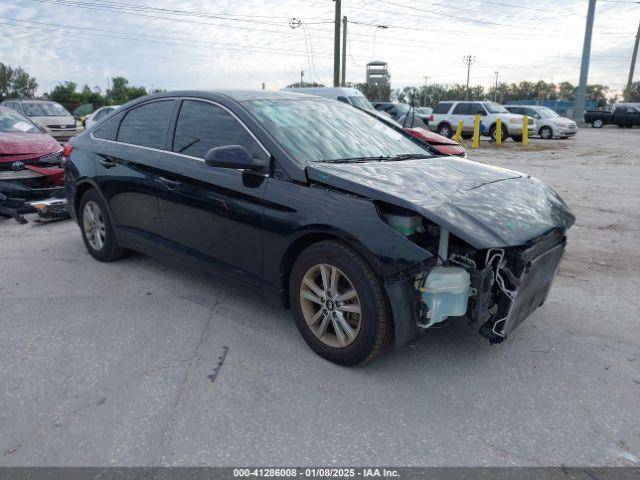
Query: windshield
[(546, 112), (495, 108), (316, 131), (361, 102), (44, 109), (11, 121)]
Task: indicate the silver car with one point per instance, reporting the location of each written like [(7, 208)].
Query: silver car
[(548, 122), (51, 116)]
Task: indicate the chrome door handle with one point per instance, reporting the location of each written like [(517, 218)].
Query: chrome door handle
[(171, 184)]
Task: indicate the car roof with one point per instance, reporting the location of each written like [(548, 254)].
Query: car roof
[(236, 94)]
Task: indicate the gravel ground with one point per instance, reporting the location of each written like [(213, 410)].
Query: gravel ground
[(115, 364)]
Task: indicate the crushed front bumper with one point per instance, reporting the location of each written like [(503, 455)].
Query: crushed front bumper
[(33, 190)]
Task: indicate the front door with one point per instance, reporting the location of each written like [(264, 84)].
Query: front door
[(213, 214)]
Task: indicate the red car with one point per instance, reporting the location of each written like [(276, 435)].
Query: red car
[(444, 145), (31, 172)]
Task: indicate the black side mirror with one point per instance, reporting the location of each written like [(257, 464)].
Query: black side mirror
[(232, 156), (482, 112)]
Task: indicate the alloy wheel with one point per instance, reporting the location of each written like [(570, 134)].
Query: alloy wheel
[(545, 133), (330, 305), (93, 224)]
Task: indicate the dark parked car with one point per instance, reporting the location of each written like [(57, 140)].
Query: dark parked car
[(408, 116), (352, 223), (623, 116)]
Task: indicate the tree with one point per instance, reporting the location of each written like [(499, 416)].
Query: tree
[(120, 91), (305, 85), (16, 83), (634, 92), (375, 93)]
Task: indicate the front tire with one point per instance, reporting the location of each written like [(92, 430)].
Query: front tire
[(445, 130), (339, 304), (494, 130), (97, 231)]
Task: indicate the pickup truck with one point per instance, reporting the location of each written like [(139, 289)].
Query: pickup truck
[(622, 116)]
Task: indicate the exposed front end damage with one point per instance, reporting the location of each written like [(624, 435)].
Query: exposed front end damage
[(495, 288)]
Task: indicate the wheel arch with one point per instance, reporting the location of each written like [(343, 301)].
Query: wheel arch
[(545, 126), (304, 241)]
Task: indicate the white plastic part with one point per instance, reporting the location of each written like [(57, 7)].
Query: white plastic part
[(443, 246), (446, 293)]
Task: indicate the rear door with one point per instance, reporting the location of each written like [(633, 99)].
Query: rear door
[(126, 168), (210, 213), (462, 111)]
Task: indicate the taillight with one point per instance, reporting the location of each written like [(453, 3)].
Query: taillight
[(66, 151), (431, 118)]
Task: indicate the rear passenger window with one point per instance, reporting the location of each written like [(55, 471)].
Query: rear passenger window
[(109, 129), (442, 107), (461, 109), (146, 125), (202, 126), (476, 108)]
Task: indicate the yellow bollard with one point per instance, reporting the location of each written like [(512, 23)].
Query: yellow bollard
[(458, 134), (476, 132), (499, 131), (525, 131)]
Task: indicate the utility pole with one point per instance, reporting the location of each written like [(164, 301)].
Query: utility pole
[(627, 92), (468, 59), (336, 47), (495, 92), (578, 111), (344, 51), (424, 97)]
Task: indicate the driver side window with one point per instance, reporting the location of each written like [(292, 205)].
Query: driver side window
[(202, 126)]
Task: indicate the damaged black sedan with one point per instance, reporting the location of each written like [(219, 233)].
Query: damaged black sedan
[(366, 234)]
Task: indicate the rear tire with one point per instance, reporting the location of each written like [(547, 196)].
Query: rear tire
[(338, 304), (597, 123), (546, 133), (97, 231)]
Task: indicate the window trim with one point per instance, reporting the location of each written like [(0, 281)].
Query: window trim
[(172, 126)]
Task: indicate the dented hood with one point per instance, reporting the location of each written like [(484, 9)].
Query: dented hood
[(483, 205)]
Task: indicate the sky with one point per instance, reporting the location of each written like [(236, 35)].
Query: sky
[(194, 44)]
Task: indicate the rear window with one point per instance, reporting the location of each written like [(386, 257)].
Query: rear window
[(109, 129), (442, 107), (147, 124)]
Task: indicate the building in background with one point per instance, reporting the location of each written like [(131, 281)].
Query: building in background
[(378, 74)]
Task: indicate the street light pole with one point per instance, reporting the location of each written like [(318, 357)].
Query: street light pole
[(627, 92), (336, 46), (468, 59), (578, 111), (424, 97), (495, 91), (344, 51)]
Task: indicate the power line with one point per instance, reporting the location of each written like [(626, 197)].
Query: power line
[(145, 37)]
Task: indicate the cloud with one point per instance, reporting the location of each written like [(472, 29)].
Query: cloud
[(166, 49)]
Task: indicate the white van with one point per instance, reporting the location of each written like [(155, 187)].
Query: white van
[(352, 96)]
